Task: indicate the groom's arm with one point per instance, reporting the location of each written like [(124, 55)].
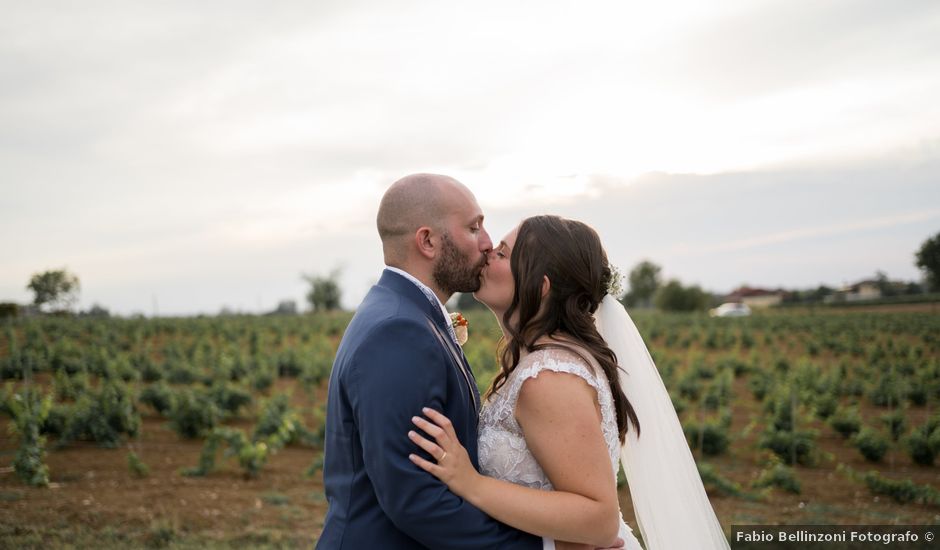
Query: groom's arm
[(399, 370)]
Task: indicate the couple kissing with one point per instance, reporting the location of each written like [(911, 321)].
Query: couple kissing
[(416, 458)]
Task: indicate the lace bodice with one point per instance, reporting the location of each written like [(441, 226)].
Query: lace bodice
[(503, 452)]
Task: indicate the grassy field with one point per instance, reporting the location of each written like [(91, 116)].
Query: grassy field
[(206, 432)]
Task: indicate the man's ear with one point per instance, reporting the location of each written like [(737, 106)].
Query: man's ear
[(425, 241), (546, 286)]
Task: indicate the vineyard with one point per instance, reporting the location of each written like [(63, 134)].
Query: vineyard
[(208, 431)]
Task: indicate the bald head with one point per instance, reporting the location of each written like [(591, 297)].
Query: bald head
[(418, 200)]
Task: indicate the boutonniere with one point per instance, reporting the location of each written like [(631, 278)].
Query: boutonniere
[(460, 324)]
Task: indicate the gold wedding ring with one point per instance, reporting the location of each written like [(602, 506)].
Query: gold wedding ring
[(442, 456)]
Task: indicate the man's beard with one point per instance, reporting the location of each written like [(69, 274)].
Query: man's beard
[(455, 272)]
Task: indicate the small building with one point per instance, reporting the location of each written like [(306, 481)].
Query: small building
[(862, 290), (756, 297)]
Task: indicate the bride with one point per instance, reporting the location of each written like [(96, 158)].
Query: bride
[(575, 387)]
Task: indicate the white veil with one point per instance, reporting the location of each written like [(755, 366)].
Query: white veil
[(672, 509)]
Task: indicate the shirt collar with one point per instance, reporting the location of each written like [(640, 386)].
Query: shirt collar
[(431, 296)]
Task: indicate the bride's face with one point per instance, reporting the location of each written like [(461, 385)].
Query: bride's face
[(496, 283)]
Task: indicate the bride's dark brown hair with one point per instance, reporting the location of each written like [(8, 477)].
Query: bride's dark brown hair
[(570, 254)]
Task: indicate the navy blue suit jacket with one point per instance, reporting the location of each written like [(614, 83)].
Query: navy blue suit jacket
[(395, 358)]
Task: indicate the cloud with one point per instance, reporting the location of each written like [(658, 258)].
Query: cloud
[(723, 229), (200, 152), (792, 228), (822, 231), (771, 47)]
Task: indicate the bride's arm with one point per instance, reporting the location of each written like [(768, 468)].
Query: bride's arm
[(562, 427)]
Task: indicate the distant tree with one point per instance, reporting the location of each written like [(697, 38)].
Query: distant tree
[(9, 309), (644, 280), (57, 288), (928, 260), (286, 307), (674, 297), (819, 295), (466, 301), (885, 286), (807, 296), (97, 311), (325, 293), (913, 288)]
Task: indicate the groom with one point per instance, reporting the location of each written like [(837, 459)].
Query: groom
[(399, 354)]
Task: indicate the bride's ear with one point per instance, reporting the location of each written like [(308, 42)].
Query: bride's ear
[(546, 286)]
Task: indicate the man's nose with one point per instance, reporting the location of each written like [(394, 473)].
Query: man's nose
[(486, 245)]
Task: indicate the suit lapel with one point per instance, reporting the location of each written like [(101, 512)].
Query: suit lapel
[(435, 318), (459, 362)]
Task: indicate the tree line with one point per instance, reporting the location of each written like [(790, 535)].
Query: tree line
[(57, 290)]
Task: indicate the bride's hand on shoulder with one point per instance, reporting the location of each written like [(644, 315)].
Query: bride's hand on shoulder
[(452, 465)]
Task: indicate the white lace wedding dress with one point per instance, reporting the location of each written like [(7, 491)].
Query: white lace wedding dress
[(503, 452)]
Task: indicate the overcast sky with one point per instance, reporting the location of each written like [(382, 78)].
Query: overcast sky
[(185, 156)]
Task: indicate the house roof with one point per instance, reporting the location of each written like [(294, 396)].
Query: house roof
[(750, 292)]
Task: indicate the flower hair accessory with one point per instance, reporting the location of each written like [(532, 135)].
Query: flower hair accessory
[(460, 324), (615, 282)]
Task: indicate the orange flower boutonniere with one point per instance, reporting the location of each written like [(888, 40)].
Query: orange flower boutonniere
[(460, 324)]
